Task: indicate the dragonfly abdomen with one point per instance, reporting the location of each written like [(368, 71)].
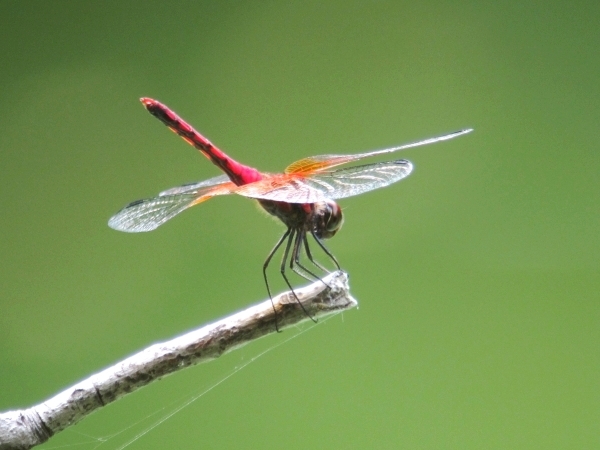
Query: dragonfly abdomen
[(240, 174)]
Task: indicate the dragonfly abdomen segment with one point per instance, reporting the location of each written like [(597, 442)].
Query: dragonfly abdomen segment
[(238, 173)]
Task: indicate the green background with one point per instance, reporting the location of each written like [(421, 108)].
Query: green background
[(477, 277)]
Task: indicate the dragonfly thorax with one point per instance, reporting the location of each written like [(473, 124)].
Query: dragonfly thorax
[(324, 219)]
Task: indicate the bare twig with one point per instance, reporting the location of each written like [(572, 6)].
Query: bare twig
[(23, 429)]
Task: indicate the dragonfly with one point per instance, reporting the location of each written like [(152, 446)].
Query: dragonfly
[(302, 197)]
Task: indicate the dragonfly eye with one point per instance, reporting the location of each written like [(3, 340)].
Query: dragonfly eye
[(328, 220)]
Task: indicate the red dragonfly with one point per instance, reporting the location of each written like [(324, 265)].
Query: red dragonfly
[(302, 197)]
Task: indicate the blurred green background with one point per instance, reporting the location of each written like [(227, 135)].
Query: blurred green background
[(477, 277)]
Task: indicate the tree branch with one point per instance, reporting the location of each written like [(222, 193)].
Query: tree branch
[(23, 429)]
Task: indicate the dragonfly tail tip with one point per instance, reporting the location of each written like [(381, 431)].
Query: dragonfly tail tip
[(147, 101)]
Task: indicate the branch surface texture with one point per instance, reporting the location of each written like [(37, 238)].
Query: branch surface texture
[(26, 428)]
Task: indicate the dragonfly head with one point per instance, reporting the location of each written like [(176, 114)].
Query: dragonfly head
[(327, 219)]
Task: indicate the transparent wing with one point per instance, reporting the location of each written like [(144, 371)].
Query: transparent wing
[(149, 214), (294, 188), (193, 188), (356, 180), (320, 163), (282, 188)]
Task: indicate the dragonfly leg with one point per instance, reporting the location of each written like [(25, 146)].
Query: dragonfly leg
[(295, 263), (327, 252), (266, 264), (282, 269), (310, 258)]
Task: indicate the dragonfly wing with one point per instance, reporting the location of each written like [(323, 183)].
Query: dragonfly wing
[(358, 179), (327, 185), (310, 180), (321, 163), (193, 188), (282, 188), (149, 214)]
